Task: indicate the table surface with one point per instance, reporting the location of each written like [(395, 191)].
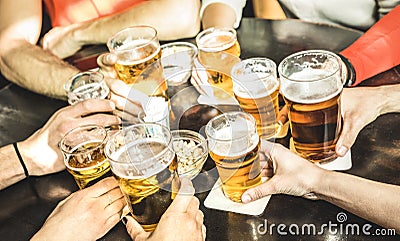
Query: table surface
[(25, 205)]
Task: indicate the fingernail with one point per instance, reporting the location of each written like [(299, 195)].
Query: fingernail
[(342, 150), (246, 198), (124, 220)]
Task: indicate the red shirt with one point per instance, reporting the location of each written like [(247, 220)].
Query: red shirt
[(65, 12)]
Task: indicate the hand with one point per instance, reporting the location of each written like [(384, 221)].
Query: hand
[(128, 100), (87, 214), (61, 42), (182, 221), (41, 152), (292, 174), (360, 106)]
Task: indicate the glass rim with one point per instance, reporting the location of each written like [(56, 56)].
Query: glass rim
[(129, 128), (203, 140), (216, 29), (241, 63), (187, 44), (83, 127), (152, 39), (68, 85), (312, 51), (208, 126)]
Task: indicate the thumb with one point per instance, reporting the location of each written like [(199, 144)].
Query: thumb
[(347, 138), (283, 115), (260, 191), (106, 63), (133, 227)]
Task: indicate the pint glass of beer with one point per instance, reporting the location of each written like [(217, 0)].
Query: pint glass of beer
[(233, 144), (86, 85), (145, 165), (219, 50), (256, 88), (311, 85), (83, 150), (135, 49)]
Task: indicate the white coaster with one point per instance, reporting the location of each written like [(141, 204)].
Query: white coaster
[(339, 164), (217, 200)]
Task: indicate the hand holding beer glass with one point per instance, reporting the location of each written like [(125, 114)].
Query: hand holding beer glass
[(256, 88), (83, 150), (145, 165), (135, 49), (219, 51), (233, 143), (311, 85)]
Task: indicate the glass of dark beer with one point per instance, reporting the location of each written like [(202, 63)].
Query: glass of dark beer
[(145, 165), (311, 85)]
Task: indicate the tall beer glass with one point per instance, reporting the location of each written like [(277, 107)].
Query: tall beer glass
[(145, 165), (83, 150), (135, 49), (233, 144), (256, 88), (311, 85), (216, 45)]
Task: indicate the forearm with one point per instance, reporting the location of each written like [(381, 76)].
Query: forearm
[(374, 201), (10, 167), (173, 19), (268, 9), (35, 69), (390, 98), (218, 15)]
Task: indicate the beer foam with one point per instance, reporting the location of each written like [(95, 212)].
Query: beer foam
[(133, 162), (136, 56), (97, 142), (250, 88), (212, 42), (230, 142), (313, 91)]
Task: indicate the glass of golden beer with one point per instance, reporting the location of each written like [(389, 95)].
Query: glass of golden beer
[(311, 85), (86, 85), (145, 165), (136, 48), (219, 50), (256, 88), (83, 150), (234, 144)]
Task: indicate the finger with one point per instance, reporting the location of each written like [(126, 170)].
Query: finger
[(199, 217), (124, 104), (91, 106), (267, 172), (266, 148), (120, 88), (204, 231), (133, 227), (183, 198), (111, 196), (283, 116), (255, 193), (106, 63), (116, 207), (193, 207), (347, 138), (102, 187), (101, 119)]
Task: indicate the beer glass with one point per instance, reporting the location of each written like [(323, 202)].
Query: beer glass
[(86, 85), (218, 48), (311, 85), (145, 165), (83, 150), (256, 88), (177, 61), (136, 48), (233, 144)]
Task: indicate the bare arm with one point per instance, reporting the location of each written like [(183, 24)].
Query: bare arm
[(268, 9), (218, 15), (21, 61), (173, 19), (377, 202)]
